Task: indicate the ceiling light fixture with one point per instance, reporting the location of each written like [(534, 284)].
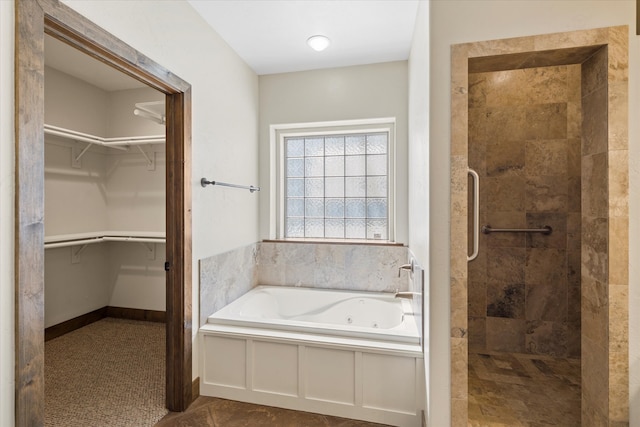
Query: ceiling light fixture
[(318, 42)]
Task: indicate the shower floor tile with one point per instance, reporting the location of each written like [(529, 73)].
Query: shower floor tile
[(523, 390)]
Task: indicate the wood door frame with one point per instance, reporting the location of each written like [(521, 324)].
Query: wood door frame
[(33, 19)]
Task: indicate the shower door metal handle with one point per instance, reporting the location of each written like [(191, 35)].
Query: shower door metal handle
[(476, 213)]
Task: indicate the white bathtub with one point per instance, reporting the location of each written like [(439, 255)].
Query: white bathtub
[(372, 315), (342, 353)]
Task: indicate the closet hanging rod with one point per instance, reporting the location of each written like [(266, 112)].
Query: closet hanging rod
[(251, 188), (101, 238), (486, 229), (106, 142)]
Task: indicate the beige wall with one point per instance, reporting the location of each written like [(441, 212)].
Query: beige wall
[(225, 115), (111, 191), (468, 21), (418, 176), (360, 92)]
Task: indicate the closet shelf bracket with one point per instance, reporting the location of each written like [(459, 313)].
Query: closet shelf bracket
[(76, 160), (151, 164), (75, 255)]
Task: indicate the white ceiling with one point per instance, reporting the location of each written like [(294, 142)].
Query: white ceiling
[(270, 35), (69, 60)]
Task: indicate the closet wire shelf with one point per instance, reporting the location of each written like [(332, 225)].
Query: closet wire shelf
[(68, 240)]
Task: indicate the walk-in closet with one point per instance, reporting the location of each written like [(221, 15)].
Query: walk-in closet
[(104, 243)]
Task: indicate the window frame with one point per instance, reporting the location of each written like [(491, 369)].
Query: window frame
[(278, 133)]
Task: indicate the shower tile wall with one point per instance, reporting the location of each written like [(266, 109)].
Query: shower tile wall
[(524, 142)]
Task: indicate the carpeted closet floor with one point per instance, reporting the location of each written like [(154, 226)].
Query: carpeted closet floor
[(110, 373)]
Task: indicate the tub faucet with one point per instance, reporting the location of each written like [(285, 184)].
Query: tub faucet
[(405, 267), (407, 294)]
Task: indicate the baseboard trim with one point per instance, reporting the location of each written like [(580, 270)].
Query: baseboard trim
[(137, 314), (71, 325), (195, 389)]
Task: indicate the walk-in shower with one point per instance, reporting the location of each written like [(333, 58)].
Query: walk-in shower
[(540, 294)]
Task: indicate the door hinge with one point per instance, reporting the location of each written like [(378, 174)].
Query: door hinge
[(166, 266)]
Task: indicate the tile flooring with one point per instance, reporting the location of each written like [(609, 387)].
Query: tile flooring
[(523, 390), (214, 412)]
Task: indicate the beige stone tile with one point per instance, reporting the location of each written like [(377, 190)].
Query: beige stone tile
[(546, 302), (574, 83), (501, 47), (458, 308), (571, 39), (619, 387), (459, 122), (477, 269), (618, 53), (595, 185), (505, 157), (574, 120), (506, 334), (574, 268), (574, 305), (477, 129), (618, 183), (592, 417), (619, 251), (458, 249), (552, 338), (546, 121), (556, 220), (595, 256), (477, 299), (477, 334), (546, 194), (574, 230), (546, 266), (594, 123), (506, 265), (618, 319), (594, 72), (459, 63), (595, 384), (459, 413), (574, 157), (542, 85), (478, 90), (618, 110), (507, 123), (546, 157), (506, 220), (459, 368), (595, 311), (459, 191), (505, 194), (574, 189), (506, 300)]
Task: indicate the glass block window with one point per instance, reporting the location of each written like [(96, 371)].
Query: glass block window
[(336, 186)]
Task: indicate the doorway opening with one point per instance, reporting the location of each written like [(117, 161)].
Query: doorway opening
[(33, 20)]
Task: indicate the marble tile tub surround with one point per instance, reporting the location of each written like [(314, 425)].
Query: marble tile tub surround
[(332, 266), (227, 276)]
